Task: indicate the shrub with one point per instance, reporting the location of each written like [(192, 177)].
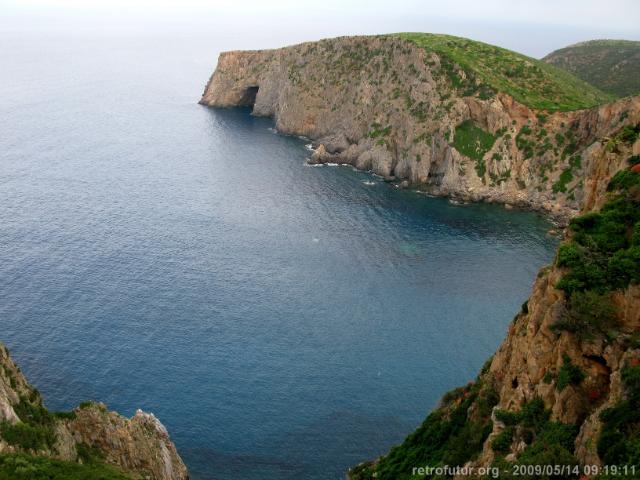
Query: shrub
[(472, 141), (569, 374), (27, 467), (619, 442), (543, 453), (624, 179), (603, 254), (26, 436), (549, 443), (588, 314), (502, 441), (449, 435), (561, 185), (35, 431)]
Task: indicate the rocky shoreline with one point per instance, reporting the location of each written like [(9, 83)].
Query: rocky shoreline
[(384, 105)]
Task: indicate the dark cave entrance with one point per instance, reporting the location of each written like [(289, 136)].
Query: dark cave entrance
[(248, 98)]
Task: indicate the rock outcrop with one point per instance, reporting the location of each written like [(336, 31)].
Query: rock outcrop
[(386, 105), (140, 447)]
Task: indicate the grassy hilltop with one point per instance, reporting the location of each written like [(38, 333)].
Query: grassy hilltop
[(534, 83)]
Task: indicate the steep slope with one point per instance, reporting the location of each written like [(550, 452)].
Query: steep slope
[(89, 442), (434, 113), (613, 66), (564, 387)]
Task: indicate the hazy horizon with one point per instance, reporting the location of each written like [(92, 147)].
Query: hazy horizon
[(532, 29)]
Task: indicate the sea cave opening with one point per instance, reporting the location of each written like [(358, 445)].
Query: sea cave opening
[(248, 98)]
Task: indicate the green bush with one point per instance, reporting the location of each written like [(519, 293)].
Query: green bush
[(619, 442), (569, 374), (531, 415), (472, 141), (448, 436), (565, 178), (549, 443), (27, 467), (35, 431), (544, 453), (604, 252), (88, 454), (26, 436), (588, 314), (502, 442), (624, 179)]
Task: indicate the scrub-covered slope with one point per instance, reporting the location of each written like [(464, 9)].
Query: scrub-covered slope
[(447, 115), (529, 81), (613, 66)]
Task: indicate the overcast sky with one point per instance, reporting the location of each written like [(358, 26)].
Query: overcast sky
[(534, 27)]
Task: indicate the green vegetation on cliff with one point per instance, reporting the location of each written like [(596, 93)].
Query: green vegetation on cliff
[(603, 254), (487, 67), (451, 435), (619, 443), (613, 66), (472, 141), (29, 467), (548, 442), (36, 431)]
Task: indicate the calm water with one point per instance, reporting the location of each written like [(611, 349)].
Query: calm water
[(283, 321)]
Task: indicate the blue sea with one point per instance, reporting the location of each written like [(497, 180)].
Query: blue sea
[(283, 321)]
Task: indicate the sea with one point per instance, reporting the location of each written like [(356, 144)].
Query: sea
[(284, 321)]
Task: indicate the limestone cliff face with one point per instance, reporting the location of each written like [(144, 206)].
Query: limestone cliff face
[(139, 446), (385, 105), (526, 366)]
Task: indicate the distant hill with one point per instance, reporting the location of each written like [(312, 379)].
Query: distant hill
[(613, 66)]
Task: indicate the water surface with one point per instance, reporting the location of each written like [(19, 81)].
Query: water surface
[(284, 321)]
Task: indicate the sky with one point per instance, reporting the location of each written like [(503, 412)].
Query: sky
[(533, 27)]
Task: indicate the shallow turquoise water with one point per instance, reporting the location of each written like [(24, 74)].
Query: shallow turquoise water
[(283, 321)]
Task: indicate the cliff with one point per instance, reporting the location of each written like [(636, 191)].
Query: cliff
[(89, 442), (434, 115), (564, 387)]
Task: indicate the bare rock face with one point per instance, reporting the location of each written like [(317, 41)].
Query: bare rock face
[(383, 104), (139, 446)]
